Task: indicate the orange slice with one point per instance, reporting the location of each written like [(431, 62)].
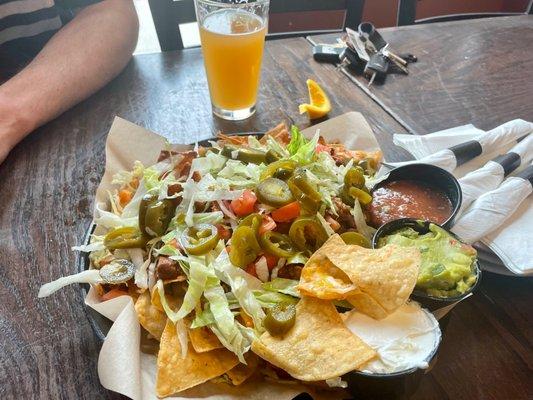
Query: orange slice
[(320, 104)]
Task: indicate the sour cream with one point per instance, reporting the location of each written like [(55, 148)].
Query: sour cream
[(405, 339)]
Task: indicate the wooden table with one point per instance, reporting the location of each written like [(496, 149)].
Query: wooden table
[(47, 347), (476, 71)]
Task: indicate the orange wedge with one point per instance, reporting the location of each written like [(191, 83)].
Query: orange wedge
[(320, 104)]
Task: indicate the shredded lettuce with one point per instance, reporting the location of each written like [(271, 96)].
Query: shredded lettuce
[(88, 276), (297, 140), (360, 221), (125, 177), (96, 244), (200, 277), (211, 163), (229, 332), (304, 153), (111, 221), (282, 285), (241, 284), (254, 143), (276, 147), (269, 299), (181, 331)]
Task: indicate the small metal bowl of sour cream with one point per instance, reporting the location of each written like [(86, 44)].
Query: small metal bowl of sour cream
[(406, 341)]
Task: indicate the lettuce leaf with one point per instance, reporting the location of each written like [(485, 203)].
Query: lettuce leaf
[(88, 276), (282, 285), (297, 140)]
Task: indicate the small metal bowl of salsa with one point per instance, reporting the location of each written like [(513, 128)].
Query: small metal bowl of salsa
[(421, 191), (444, 257)]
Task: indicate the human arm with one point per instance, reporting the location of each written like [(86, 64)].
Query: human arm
[(79, 59)]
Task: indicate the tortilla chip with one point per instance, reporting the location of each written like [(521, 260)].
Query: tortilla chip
[(203, 339), (242, 372), (321, 278), (151, 318), (367, 305), (175, 374), (318, 347), (155, 299), (388, 274)]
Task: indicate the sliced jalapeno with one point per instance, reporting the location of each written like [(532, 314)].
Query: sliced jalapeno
[(354, 177), (253, 221), (244, 246), (355, 238), (244, 154), (124, 238), (307, 233), (280, 319), (272, 156), (363, 197), (117, 271), (145, 202), (277, 244), (288, 166), (274, 192), (157, 217), (199, 239), (308, 197)]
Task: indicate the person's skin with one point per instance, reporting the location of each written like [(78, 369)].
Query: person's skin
[(79, 59)]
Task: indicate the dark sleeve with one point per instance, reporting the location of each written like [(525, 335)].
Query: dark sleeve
[(68, 8)]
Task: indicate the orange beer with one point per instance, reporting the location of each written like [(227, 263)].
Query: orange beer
[(232, 45)]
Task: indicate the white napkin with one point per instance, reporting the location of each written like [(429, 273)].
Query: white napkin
[(491, 175), (515, 254), (494, 142)]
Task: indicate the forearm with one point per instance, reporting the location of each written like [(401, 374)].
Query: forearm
[(80, 59)]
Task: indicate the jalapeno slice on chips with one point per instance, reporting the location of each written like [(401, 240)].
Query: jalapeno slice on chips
[(199, 239), (307, 233), (244, 246), (277, 244), (145, 202), (274, 192), (124, 238), (280, 319), (355, 238), (117, 271)]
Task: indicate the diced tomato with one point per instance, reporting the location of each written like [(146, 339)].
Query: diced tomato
[(334, 224), (244, 205), (124, 197), (134, 183), (267, 224), (272, 261), (287, 213), (113, 293), (251, 269), (223, 232)]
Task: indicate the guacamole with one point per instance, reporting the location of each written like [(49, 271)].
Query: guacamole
[(447, 268)]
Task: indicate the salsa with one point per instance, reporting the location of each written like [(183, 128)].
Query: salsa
[(408, 199)]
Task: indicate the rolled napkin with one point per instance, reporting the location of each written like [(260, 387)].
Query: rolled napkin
[(452, 157), (492, 209), (489, 177)]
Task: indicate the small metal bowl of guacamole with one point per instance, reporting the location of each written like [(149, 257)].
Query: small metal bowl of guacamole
[(449, 269)]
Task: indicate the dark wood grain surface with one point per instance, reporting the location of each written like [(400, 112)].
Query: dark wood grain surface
[(47, 347), (475, 71)]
